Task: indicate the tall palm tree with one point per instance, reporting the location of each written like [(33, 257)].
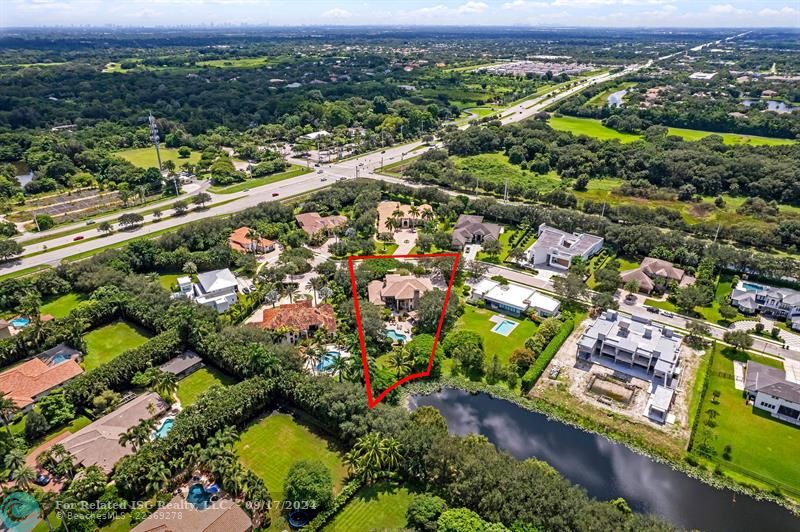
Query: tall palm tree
[(314, 284), (390, 224), (8, 409), (314, 355), (414, 212), (402, 362), (338, 367), (253, 236), (47, 503), (272, 297), (14, 460), (24, 477), (157, 477), (427, 215), (165, 385)]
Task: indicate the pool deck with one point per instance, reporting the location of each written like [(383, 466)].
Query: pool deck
[(498, 319)]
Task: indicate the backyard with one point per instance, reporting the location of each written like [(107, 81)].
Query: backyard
[(505, 247), (757, 441), (191, 387), (146, 157), (379, 507), (61, 306), (477, 320), (106, 343)]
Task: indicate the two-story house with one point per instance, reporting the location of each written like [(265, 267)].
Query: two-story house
[(557, 248)]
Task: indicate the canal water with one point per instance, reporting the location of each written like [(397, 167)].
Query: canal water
[(606, 470), (615, 98), (772, 105)]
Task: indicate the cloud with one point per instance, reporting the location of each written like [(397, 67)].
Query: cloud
[(473, 7), (784, 11), (521, 5), (337, 12), (726, 9)]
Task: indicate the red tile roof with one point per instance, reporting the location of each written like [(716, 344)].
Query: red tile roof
[(24, 382), (238, 241), (312, 222), (299, 316)]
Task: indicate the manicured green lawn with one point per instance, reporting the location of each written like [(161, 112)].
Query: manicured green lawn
[(589, 127), (270, 446), (169, 281), (710, 313), (505, 247), (759, 443), (110, 341), (146, 157), (61, 306), (495, 168), (728, 138), (191, 387), (293, 171), (379, 507), (386, 248), (477, 320), (18, 429)]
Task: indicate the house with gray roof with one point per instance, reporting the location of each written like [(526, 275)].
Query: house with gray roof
[(769, 390), (216, 289), (632, 345), (471, 229), (557, 248), (775, 302)]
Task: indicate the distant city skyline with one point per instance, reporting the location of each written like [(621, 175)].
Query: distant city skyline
[(588, 13)]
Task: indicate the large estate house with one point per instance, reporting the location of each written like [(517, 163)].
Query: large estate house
[(28, 382), (635, 346), (557, 248), (406, 216), (775, 302), (241, 242), (769, 390), (652, 269), (216, 289), (299, 320), (471, 229), (398, 292), (312, 223), (513, 298)]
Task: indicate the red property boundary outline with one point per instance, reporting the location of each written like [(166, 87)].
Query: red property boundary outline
[(371, 400)]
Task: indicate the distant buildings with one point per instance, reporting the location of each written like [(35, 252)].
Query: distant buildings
[(540, 68), (777, 303), (471, 229), (312, 223), (398, 292), (652, 269), (769, 390), (299, 320), (632, 345), (316, 134), (557, 248), (239, 241), (705, 76), (216, 289), (514, 298)]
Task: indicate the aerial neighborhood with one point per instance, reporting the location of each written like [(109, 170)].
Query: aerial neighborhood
[(289, 293)]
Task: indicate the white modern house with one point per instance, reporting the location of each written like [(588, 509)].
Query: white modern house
[(769, 390), (634, 346), (216, 289), (775, 302), (513, 298), (659, 403), (557, 248)]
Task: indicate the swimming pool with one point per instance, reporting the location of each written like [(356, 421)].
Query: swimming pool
[(19, 323), (198, 497), (505, 327), (327, 361), (59, 357), (163, 430), (751, 287), (396, 336)]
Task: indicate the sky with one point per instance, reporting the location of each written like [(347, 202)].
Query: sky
[(596, 13)]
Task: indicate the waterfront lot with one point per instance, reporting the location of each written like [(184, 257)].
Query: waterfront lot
[(477, 320), (106, 343), (379, 507)]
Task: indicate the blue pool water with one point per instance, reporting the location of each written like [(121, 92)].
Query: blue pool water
[(198, 497), (751, 287), (504, 327), (19, 323), (396, 336), (58, 358), (165, 427), (326, 362)]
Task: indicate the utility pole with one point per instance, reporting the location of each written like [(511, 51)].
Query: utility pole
[(154, 135), (505, 192), (716, 235)]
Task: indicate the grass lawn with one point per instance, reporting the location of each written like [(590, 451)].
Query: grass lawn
[(386, 248), (710, 313), (379, 507), (146, 157), (293, 171), (110, 341), (495, 168), (505, 243), (589, 127), (18, 429), (477, 320), (190, 388), (728, 138), (759, 443), (169, 281), (61, 306), (270, 446)]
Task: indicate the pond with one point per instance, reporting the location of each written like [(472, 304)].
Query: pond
[(24, 173), (615, 98), (772, 105), (606, 470)]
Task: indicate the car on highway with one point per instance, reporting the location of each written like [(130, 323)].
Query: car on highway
[(323, 178), (319, 171), (91, 222), (654, 310), (274, 194), (79, 237)]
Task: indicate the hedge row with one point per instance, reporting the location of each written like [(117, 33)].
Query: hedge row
[(117, 374), (347, 493), (538, 367)]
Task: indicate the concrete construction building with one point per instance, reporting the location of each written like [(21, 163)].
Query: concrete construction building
[(398, 292), (634, 346), (513, 298), (471, 229), (777, 303), (769, 390), (557, 248), (216, 289)]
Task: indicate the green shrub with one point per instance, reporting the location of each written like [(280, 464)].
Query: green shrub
[(344, 496), (538, 367)]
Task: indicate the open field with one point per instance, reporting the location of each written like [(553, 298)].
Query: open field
[(242, 62), (293, 171), (379, 507), (146, 157), (477, 320), (106, 343), (495, 168), (758, 442), (589, 127), (191, 387), (729, 138), (61, 306)]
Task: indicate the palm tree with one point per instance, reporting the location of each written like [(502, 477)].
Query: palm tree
[(165, 385), (314, 355), (325, 293), (253, 236), (14, 460), (292, 292), (367, 457), (427, 215), (47, 503), (390, 224), (338, 367), (29, 305), (189, 268), (157, 477), (272, 297), (23, 477), (402, 362), (414, 212), (314, 285), (8, 409)]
